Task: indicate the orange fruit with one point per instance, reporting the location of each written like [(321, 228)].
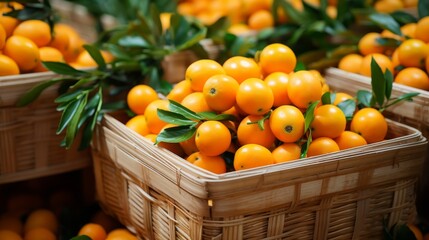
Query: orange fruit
[(277, 57), (413, 53), (304, 88), (60, 39), (329, 121), (395, 61), (286, 152), (165, 20), (251, 6), (75, 45), (341, 97), (196, 102), (422, 29), (138, 124), (388, 6), (201, 70), (212, 138), (351, 63), (108, 222), (37, 31), (278, 82), (239, 29), (139, 97), (214, 164), (39, 234), (332, 12), (179, 91), (252, 155), (9, 23), (322, 145), (175, 148), (427, 64), (48, 54), (8, 66), (85, 60), (220, 91), (413, 77), (368, 44), (254, 97), (410, 3), (382, 60), (23, 51), (260, 19), (41, 218), (121, 234), (287, 123), (349, 139), (94, 231), (370, 124), (409, 30), (249, 131), (154, 123), (2, 36), (9, 235), (242, 68)]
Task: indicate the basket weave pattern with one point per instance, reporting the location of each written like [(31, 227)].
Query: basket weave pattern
[(29, 146), (341, 196)]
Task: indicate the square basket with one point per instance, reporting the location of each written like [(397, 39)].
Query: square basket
[(342, 195), (29, 145)]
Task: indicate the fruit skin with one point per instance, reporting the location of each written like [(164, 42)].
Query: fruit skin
[(304, 88), (41, 218), (254, 97), (368, 44), (322, 145), (329, 121), (36, 30), (413, 77), (241, 68), (212, 138), (249, 132), (349, 139), (39, 234), (8, 66), (286, 152), (214, 164), (9, 235), (382, 60), (278, 82), (139, 97), (412, 53), (277, 57), (287, 123), (370, 124), (201, 70), (23, 51), (351, 63), (220, 92), (94, 231), (252, 155)]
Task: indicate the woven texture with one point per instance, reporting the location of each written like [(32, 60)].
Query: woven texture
[(415, 113), (29, 146), (344, 195)]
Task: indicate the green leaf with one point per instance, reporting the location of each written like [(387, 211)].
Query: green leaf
[(423, 8), (72, 127), (304, 147), (216, 117), (69, 96), (388, 76), (88, 131), (84, 81), (403, 17), (174, 118), (68, 113), (403, 97), (176, 134), (364, 97), (114, 106), (184, 111), (385, 21), (156, 22), (328, 98), (35, 92), (63, 68), (378, 83), (96, 55), (309, 115), (348, 107)]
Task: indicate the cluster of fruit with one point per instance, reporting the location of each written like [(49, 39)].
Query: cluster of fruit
[(407, 60), (24, 45), (389, 6), (270, 102), (245, 15)]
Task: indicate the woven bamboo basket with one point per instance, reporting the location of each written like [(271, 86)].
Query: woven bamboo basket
[(29, 146), (415, 113), (343, 195)]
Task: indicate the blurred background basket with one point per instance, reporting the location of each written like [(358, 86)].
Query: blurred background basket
[(29, 145), (344, 195)]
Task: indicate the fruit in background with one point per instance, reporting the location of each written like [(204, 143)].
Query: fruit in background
[(422, 29), (121, 234), (368, 44), (413, 53), (37, 31), (94, 231), (48, 54), (2, 37), (9, 23), (351, 63), (382, 60), (39, 234), (413, 77), (9, 235), (41, 218)]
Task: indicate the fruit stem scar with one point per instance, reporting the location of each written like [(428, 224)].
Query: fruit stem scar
[(288, 128), (212, 90)]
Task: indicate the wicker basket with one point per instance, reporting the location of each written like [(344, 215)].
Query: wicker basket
[(29, 146), (344, 195), (415, 113)]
